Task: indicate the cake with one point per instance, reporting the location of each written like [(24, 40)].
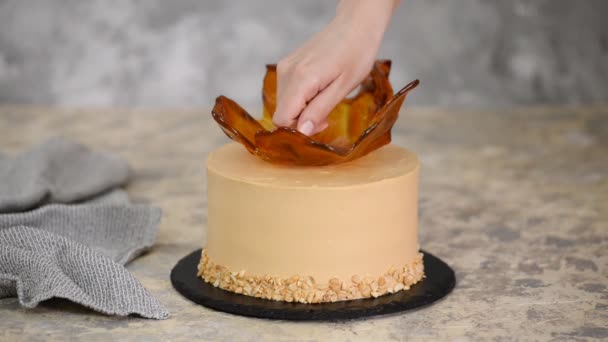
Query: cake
[(312, 234), (314, 219)]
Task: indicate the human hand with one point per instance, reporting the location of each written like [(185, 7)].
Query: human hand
[(313, 79)]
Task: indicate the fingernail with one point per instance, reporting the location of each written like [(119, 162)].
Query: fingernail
[(307, 128)]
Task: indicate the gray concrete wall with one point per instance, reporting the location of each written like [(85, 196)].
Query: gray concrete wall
[(183, 53)]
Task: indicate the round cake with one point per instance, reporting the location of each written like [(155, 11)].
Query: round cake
[(312, 234)]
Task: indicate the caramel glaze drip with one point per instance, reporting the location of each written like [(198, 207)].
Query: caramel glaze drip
[(356, 127)]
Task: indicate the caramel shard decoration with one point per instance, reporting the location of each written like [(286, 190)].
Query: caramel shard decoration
[(357, 125)]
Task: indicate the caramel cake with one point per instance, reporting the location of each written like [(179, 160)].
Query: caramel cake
[(314, 219), (313, 234)]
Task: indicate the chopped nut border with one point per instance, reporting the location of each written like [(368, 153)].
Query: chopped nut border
[(305, 289)]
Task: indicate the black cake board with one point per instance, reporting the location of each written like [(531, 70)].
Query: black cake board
[(438, 282)]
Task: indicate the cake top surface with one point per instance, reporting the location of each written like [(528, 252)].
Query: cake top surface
[(234, 162)]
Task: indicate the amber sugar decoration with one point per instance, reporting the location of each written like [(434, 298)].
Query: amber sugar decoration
[(357, 125)]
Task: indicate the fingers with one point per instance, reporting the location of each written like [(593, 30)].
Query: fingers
[(290, 101), (295, 87), (313, 117)]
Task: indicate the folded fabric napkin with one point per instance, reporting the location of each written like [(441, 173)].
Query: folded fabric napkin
[(67, 229)]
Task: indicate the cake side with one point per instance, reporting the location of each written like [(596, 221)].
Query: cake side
[(268, 225)]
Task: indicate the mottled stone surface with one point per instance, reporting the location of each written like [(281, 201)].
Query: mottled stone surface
[(183, 53), (516, 202)]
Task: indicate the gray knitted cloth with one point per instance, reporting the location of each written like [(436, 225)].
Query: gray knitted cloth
[(66, 230)]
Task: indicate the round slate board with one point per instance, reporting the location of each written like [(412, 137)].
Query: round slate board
[(439, 281)]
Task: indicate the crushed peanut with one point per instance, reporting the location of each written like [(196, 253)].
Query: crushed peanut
[(306, 289)]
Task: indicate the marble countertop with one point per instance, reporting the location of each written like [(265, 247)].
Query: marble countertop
[(516, 201)]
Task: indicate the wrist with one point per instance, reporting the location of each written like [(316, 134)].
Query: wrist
[(381, 9), (371, 16)]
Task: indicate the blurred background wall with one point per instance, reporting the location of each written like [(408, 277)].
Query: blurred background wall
[(183, 53)]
